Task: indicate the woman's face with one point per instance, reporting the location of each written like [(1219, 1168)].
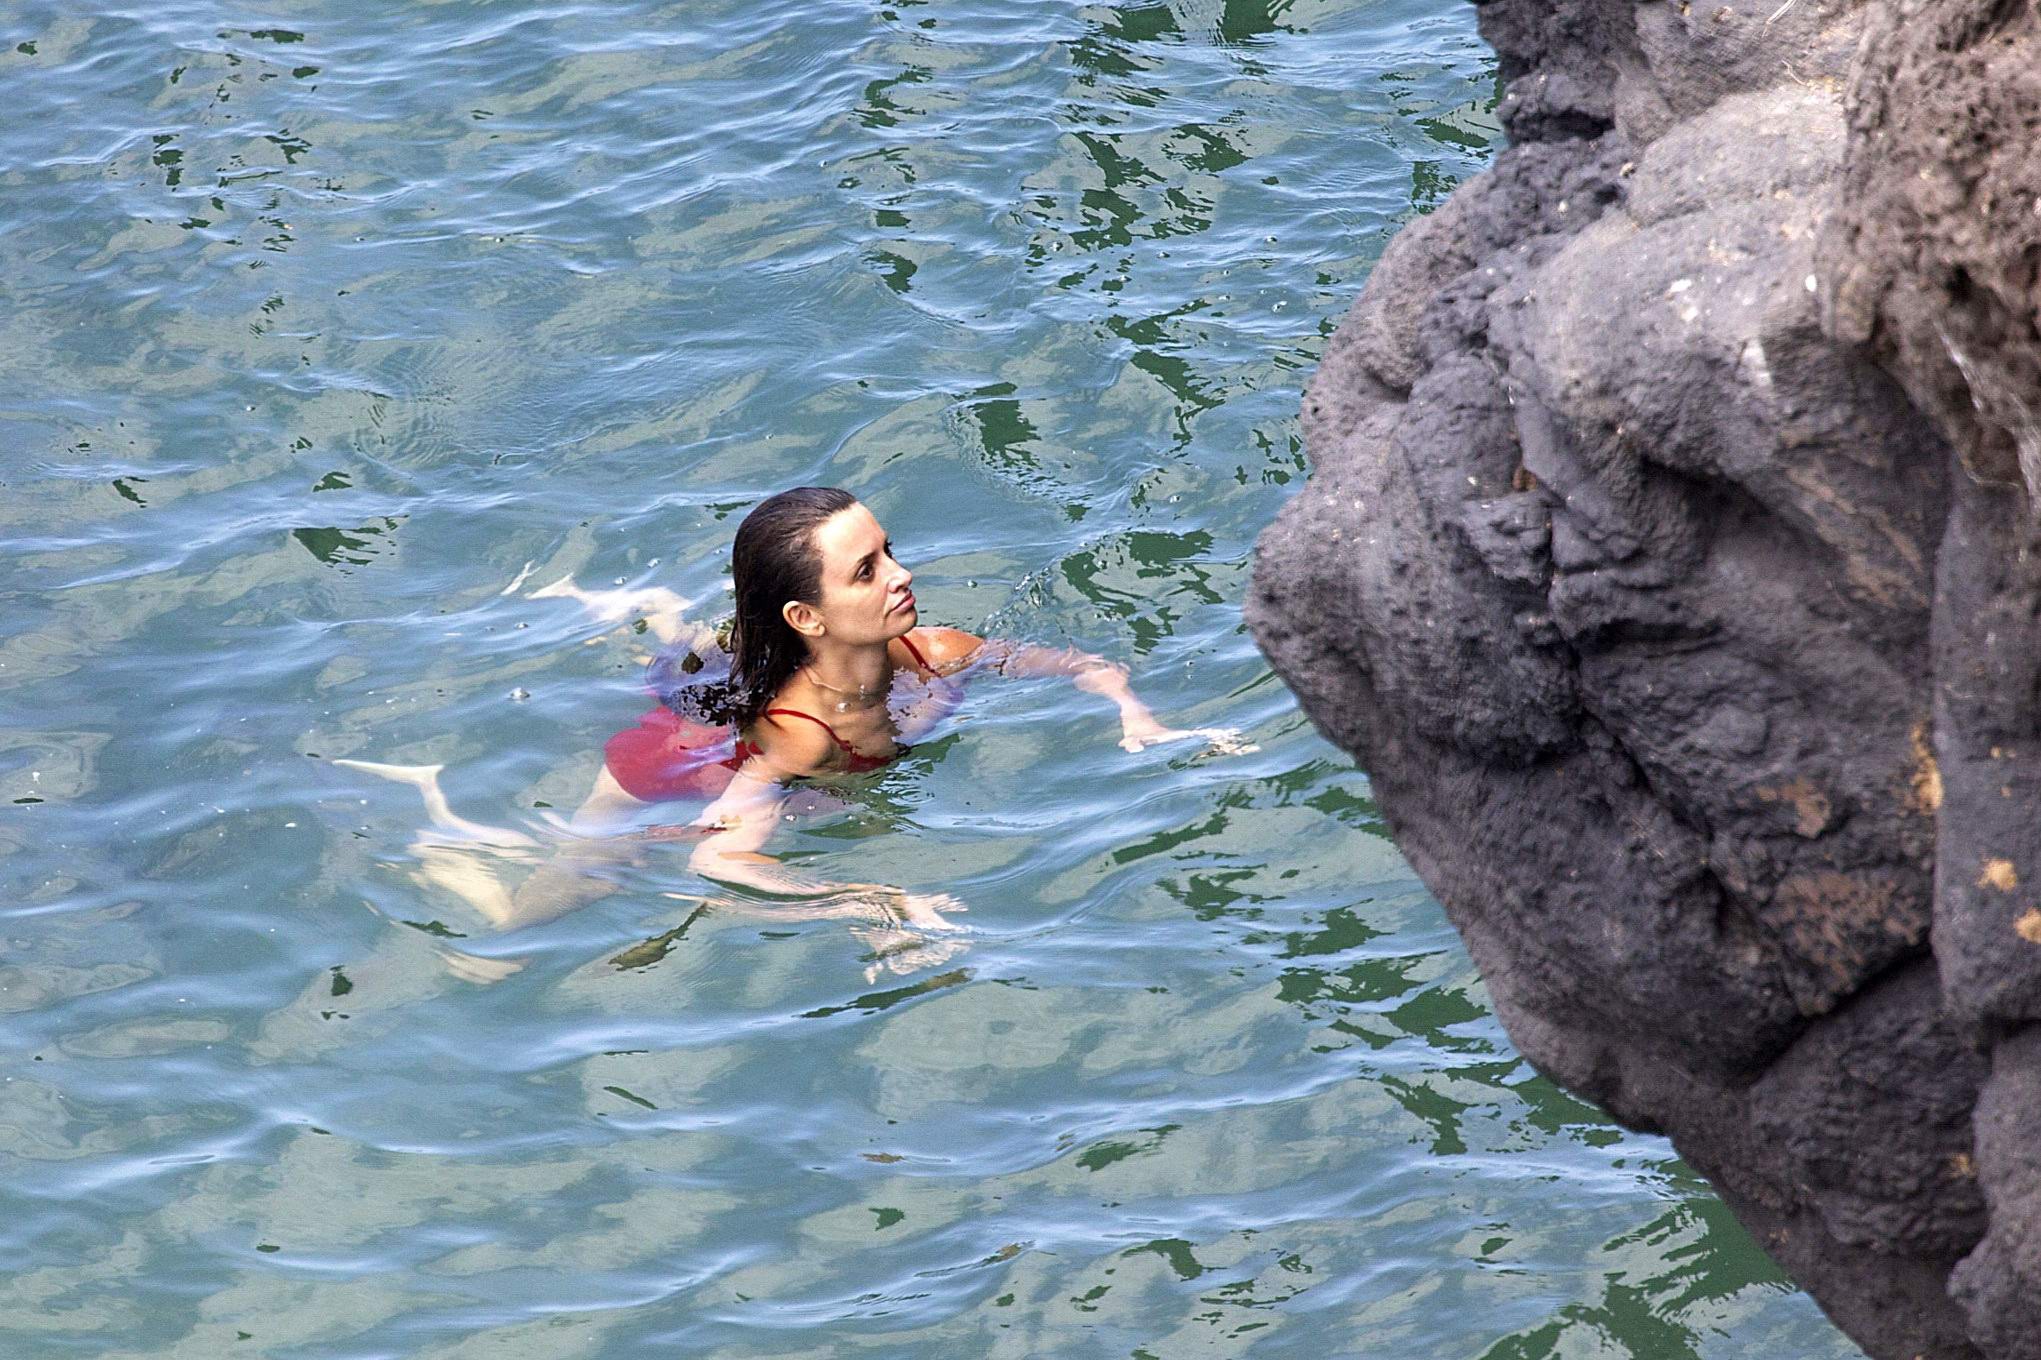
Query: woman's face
[(865, 594)]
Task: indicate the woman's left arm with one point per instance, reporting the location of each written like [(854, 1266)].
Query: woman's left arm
[(950, 650)]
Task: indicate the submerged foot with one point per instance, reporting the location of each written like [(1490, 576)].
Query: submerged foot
[(615, 606), (478, 970), (417, 776), (425, 778)]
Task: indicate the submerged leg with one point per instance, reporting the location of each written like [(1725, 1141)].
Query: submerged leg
[(466, 858), (595, 844), (461, 857), (472, 873)]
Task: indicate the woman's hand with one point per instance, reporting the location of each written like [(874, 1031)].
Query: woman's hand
[(896, 940), (901, 952), (1138, 727), (924, 911), (1138, 734)]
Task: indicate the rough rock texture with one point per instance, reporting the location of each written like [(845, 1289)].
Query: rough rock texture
[(1672, 561)]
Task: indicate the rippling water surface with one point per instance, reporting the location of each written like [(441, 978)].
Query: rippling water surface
[(323, 320)]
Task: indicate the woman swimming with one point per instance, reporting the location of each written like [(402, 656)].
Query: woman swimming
[(829, 674)]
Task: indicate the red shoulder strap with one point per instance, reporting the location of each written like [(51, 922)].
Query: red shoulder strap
[(797, 713), (915, 652)]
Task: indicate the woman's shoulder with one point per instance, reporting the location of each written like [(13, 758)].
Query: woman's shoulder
[(792, 742), (941, 650)]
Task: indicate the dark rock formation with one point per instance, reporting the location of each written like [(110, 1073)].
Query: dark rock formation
[(1672, 561)]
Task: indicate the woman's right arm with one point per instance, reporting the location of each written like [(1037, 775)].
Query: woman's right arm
[(951, 650), (738, 825)]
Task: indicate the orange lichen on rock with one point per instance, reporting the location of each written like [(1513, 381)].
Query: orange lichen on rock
[(1810, 805), (2000, 874), (2028, 927), (1834, 923), (1927, 775)]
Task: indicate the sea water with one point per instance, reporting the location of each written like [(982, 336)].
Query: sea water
[(329, 323)]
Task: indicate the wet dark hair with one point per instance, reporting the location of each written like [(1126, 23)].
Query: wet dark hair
[(773, 561)]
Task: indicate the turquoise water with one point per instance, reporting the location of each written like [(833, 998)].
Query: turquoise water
[(324, 321)]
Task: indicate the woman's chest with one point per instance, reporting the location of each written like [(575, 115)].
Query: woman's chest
[(912, 709)]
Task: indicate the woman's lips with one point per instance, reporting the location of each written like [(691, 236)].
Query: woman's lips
[(907, 603)]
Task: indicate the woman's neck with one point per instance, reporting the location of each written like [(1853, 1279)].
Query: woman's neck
[(854, 676)]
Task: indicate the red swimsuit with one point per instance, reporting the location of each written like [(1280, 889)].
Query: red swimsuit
[(667, 756)]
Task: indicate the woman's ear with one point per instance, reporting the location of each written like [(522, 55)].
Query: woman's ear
[(803, 618)]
